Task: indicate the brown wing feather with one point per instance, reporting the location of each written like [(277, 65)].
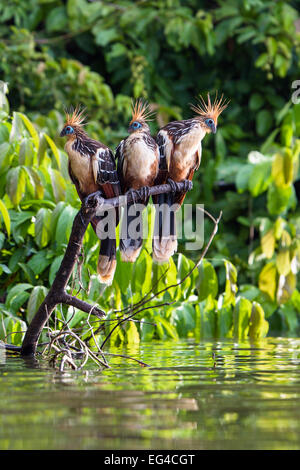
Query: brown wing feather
[(179, 197)]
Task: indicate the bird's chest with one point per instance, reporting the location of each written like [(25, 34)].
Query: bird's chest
[(81, 167), (186, 155), (140, 163)]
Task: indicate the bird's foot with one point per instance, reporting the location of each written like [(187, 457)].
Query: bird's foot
[(144, 193), (91, 199), (188, 185), (173, 184), (177, 188), (133, 194)]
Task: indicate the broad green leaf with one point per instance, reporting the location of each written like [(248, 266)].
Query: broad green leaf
[(264, 121), (34, 178), (56, 19), (37, 296), (268, 243), (242, 178), (141, 276), (259, 327), (123, 274), (5, 216), (54, 268), (283, 263), (29, 274), (58, 185), (132, 333), (207, 309), (260, 178), (278, 199), (183, 317), (207, 282), (286, 287), (16, 128), (290, 317), (43, 227), (26, 152), (224, 322), (17, 296), (267, 280), (241, 317), (147, 331), (31, 129), (256, 101), (184, 267), (169, 329), (15, 184), (282, 169), (54, 149), (64, 226)]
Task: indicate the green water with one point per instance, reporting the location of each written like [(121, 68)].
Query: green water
[(248, 397)]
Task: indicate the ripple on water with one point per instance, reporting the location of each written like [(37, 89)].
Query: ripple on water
[(207, 395)]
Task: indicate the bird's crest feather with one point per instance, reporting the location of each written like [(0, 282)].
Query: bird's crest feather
[(75, 117), (210, 110), (141, 111)]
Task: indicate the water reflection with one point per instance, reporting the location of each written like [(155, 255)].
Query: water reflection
[(208, 395)]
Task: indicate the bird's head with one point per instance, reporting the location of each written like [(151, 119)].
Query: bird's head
[(140, 115), (74, 122), (208, 113)]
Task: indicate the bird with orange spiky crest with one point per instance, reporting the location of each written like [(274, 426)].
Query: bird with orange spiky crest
[(92, 168), (180, 155), (138, 161)]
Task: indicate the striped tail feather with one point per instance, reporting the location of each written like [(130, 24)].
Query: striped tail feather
[(130, 247), (164, 242), (107, 261), (131, 243), (107, 255)]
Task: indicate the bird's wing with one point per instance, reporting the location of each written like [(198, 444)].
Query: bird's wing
[(166, 147), (121, 165), (105, 172)]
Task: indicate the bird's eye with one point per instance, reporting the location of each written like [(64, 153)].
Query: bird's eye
[(69, 130), (209, 122), (136, 125)]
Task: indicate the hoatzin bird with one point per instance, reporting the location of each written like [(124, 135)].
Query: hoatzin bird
[(138, 161), (180, 155), (92, 168)]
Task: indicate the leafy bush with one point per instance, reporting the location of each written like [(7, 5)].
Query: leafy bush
[(56, 53)]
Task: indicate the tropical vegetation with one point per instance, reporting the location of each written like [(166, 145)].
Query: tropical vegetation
[(102, 54)]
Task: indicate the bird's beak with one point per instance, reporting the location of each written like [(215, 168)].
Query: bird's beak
[(213, 128), (63, 133)]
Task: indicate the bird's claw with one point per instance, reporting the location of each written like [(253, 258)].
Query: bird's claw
[(144, 193), (188, 185), (174, 185), (133, 194), (91, 199)]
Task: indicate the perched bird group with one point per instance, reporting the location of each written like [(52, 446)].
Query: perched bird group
[(143, 162)]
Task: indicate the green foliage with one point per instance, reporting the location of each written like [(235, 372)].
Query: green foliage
[(56, 53)]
